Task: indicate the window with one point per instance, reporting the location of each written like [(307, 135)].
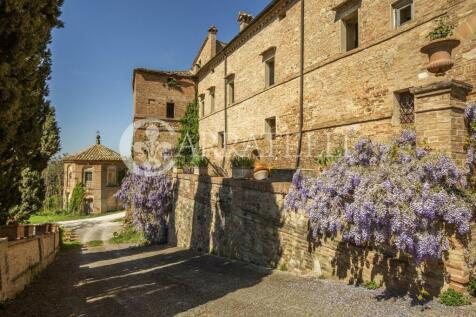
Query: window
[(350, 31), (221, 139), (406, 105), (212, 99), (202, 104), (170, 110), (270, 128), (231, 92), (269, 65), (111, 176), (151, 101), (88, 177), (402, 12)]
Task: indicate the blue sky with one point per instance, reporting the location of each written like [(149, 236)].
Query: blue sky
[(103, 40)]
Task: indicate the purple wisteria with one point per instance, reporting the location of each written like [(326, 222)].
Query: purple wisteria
[(147, 192), (397, 195), (470, 120)]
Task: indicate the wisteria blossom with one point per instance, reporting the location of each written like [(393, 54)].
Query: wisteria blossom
[(397, 195), (147, 192), (470, 120)]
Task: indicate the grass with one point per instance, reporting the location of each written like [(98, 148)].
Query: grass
[(452, 298), (94, 243), (70, 245), (128, 235), (283, 267), (370, 285), (55, 218)]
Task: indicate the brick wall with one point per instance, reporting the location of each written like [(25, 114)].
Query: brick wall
[(21, 260), (245, 220)]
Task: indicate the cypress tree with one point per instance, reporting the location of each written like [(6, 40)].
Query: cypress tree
[(28, 130)]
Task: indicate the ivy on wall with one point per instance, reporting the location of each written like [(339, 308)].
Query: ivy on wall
[(77, 199), (187, 144)]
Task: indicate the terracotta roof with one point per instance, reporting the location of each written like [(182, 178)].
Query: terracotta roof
[(96, 152)]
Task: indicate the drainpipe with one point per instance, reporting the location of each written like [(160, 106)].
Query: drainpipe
[(301, 89), (225, 131)]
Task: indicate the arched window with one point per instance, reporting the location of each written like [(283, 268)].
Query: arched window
[(111, 176)]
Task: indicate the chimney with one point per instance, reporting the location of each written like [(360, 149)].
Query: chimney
[(212, 40), (244, 19)]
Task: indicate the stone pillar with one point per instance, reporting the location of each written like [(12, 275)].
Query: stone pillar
[(439, 116)]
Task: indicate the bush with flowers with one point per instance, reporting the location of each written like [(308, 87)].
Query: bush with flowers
[(398, 195)]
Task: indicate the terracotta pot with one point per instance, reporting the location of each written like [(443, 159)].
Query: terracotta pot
[(29, 230), (261, 175), (200, 170), (260, 167), (41, 229), (439, 53), (239, 173), (12, 232)]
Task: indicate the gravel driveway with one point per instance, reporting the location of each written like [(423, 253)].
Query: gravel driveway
[(167, 281)]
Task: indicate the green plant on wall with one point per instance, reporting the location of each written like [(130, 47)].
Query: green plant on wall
[(173, 83), (442, 30), (242, 162), (77, 198), (187, 144), (324, 160)]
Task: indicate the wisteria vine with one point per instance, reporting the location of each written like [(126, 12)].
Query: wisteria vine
[(377, 194), (470, 121), (148, 193)]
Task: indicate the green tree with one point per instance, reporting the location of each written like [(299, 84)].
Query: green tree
[(53, 178), (28, 127), (31, 191), (187, 143)]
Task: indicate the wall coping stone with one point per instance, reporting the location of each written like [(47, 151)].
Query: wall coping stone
[(269, 186)]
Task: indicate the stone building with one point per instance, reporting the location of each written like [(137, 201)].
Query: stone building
[(305, 76), (100, 170)]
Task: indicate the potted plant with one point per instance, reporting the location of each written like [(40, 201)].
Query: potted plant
[(440, 47), (261, 171), (242, 167), (12, 232), (200, 165)]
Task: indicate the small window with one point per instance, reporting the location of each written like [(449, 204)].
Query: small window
[(269, 65), (350, 30), (202, 104), (88, 177), (231, 92), (151, 101), (170, 110), (270, 128), (402, 12), (212, 99), (406, 105), (221, 140), (111, 176)]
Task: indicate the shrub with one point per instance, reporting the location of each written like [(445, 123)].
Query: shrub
[(148, 193), (442, 30), (242, 162), (199, 161), (398, 195), (77, 199), (472, 286), (452, 298)]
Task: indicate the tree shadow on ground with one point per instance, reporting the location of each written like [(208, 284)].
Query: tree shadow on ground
[(146, 281)]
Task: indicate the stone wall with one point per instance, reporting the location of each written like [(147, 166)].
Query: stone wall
[(21, 260), (245, 220)]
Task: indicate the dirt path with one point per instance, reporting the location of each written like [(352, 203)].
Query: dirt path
[(167, 281), (99, 228)]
